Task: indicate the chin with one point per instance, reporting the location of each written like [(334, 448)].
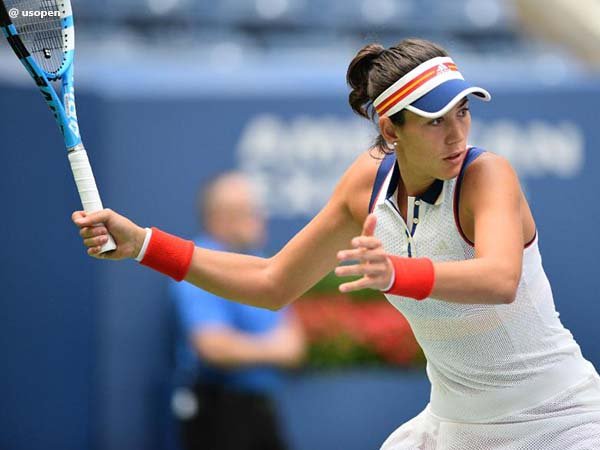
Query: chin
[(449, 174)]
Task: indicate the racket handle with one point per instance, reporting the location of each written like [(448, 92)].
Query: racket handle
[(86, 185)]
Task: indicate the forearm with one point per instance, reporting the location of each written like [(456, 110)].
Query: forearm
[(242, 278), (263, 282), (275, 282), (475, 281)]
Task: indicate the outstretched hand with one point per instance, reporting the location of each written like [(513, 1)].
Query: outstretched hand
[(127, 235), (373, 263)]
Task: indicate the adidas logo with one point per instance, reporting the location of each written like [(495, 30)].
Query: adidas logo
[(441, 68), (441, 248)]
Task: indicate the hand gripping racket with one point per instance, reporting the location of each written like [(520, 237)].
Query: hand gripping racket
[(42, 35)]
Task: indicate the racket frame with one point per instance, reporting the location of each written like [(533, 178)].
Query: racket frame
[(65, 116), (64, 111)]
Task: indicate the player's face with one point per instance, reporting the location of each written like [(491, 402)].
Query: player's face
[(435, 148)]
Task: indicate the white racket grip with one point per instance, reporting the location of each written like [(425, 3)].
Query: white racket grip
[(86, 186)]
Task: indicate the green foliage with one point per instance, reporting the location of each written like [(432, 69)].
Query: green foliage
[(330, 283), (341, 352)]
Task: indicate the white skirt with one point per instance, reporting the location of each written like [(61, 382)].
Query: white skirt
[(567, 421)]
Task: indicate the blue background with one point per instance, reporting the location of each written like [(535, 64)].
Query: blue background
[(86, 345)]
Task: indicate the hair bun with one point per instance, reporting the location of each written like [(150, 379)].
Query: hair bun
[(357, 78)]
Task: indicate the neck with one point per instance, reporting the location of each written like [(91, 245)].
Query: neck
[(413, 183)]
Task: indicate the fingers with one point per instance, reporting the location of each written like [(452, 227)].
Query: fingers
[(95, 251), (362, 254), (372, 270), (97, 241), (374, 277), (83, 219), (369, 225), (357, 285), (88, 232), (373, 266), (365, 248), (94, 232), (375, 274), (94, 238), (367, 242), (77, 215)]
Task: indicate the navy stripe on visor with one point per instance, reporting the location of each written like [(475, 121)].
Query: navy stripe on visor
[(444, 97)]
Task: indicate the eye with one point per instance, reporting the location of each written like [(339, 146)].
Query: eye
[(463, 111), (437, 121)]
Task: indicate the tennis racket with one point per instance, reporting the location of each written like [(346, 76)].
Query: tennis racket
[(42, 35)]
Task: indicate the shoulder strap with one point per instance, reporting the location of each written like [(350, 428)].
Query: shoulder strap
[(472, 154), (384, 168)]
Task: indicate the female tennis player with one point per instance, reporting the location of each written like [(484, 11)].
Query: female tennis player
[(448, 235)]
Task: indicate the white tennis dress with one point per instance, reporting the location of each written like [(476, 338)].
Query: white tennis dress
[(506, 376)]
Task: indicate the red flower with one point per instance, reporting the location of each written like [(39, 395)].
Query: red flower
[(338, 327)]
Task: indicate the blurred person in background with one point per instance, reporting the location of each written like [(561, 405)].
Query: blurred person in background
[(444, 229), (230, 356)]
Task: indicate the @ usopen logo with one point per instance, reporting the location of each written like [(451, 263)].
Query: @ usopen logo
[(15, 12)]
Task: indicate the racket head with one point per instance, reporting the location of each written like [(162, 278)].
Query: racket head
[(44, 28)]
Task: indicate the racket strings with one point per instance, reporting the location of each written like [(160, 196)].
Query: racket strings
[(42, 36)]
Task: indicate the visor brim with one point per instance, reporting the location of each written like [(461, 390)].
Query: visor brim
[(444, 97)]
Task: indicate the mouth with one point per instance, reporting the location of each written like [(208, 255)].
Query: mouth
[(454, 157)]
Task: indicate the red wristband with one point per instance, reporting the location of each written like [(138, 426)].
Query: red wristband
[(414, 277), (168, 254)]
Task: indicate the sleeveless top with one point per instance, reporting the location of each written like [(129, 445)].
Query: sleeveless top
[(484, 361)]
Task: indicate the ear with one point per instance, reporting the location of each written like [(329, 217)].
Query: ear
[(387, 129)]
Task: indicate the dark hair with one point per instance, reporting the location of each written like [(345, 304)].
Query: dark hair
[(375, 68)]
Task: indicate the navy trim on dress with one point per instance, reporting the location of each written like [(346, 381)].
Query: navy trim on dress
[(433, 192), (384, 168), (429, 196)]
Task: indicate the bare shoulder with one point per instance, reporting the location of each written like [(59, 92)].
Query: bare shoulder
[(357, 183), (489, 173), (489, 168)]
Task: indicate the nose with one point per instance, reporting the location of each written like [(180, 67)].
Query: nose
[(455, 131)]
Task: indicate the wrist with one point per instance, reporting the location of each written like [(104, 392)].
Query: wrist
[(392, 278), (166, 253), (142, 239), (413, 277)]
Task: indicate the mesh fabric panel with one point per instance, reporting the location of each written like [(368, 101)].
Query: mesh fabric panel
[(569, 421), (477, 353)]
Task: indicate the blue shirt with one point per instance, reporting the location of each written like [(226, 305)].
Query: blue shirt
[(196, 309)]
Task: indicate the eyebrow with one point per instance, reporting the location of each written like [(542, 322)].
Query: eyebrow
[(463, 101)]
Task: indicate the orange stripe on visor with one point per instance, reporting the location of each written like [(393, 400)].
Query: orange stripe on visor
[(418, 82)]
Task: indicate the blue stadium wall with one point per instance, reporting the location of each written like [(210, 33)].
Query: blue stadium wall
[(85, 345)]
